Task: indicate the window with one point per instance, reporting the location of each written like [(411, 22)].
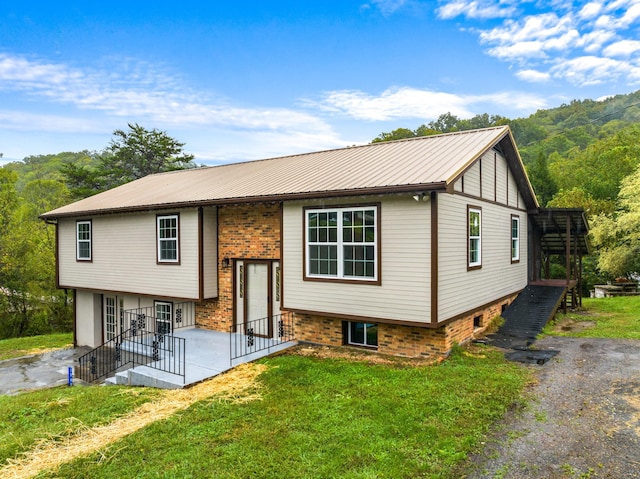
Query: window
[(363, 334), (167, 228), (163, 317), (83, 240), (475, 237), (515, 239), (110, 317), (342, 243)]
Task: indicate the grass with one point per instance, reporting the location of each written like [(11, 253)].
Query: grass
[(617, 317), (46, 413), (16, 347), (318, 418)]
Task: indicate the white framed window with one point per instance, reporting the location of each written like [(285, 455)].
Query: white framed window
[(168, 238), (474, 220), (515, 238), (363, 334), (110, 317), (164, 317), (342, 243), (83, 240)]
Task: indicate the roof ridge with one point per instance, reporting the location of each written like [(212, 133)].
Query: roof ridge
[(308, 153)]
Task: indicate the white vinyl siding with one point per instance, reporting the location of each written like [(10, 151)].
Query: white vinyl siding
[(404, 292), (210, 252), (501, 180), (125, 256), (460, 289), (472, 180)]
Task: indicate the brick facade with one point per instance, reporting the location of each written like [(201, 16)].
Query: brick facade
[(253, 232), (249, 231), (400, 340)]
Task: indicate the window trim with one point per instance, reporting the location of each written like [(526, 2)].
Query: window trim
[(377, 279), (350, 342), (476, 264), (516, 258), (169, 321), (89, 241), (159, 240)]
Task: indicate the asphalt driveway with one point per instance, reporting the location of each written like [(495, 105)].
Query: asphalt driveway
[(583, 422), (37, 371)]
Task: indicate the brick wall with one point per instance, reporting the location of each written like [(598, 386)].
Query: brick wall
[(244, 232), (399, 340)]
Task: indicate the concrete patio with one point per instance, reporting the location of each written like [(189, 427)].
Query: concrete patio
[(207, 354)]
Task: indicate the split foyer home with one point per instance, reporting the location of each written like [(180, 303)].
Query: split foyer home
[(404, 247)]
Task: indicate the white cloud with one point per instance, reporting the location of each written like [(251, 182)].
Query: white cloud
[(590, 10), (392, 103), (592, 70), (140, 91), (23, 121), (421, 104), (623, 48), (533, 76), (387, 7), (564, 40), (475, 9)]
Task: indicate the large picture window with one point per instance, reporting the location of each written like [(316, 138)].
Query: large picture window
[(342, 243), (515, 239), (168, 239), (475, 237), (83, 240)]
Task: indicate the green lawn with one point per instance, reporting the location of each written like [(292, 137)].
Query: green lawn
[(46, 413), (318, 418), (617, 317), (16, 347)]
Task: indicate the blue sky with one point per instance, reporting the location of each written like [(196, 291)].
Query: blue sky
[(239, 80)]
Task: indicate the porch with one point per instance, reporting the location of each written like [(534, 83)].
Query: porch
[(207, 354), (150, 354)]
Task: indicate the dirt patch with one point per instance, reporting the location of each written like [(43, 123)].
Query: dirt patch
[(571, 325), (238, 385), (583, 420)]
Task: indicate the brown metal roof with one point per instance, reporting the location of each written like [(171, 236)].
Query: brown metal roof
[(424, 163)]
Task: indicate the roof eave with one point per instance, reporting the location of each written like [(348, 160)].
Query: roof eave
[(378, 190)]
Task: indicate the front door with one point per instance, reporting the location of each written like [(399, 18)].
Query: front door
[(255, 301)]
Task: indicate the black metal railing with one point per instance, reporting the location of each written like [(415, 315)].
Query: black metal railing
[(181, 315), (134, 347), (260, 334)]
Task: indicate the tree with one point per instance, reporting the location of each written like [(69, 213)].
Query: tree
[(132, 154), (617, 236), (29, 301), (139, 152), (543, 183)]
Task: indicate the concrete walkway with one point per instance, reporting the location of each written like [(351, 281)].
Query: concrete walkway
[(207, 354), (37, 371)]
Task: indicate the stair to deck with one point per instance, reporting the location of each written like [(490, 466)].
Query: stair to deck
[(527, 315)]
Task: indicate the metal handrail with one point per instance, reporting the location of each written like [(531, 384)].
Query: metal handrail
[(137, 347), (260, 334)]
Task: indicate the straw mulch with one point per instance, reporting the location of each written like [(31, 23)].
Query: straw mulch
[(238, 385)]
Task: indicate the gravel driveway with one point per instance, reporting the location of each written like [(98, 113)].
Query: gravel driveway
[(583, 422)]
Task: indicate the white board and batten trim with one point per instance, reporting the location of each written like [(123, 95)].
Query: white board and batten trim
[(125, 255), (405, 289)]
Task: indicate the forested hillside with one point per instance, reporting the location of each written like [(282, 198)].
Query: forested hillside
[(29, 301), (582, 154)]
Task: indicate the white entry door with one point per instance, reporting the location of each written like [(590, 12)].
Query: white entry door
[(254, 296)]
